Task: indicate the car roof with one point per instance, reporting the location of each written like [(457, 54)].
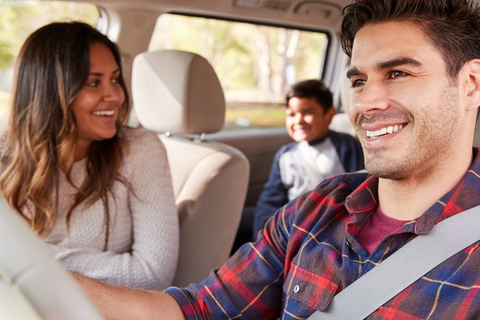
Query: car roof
[(298, 13)]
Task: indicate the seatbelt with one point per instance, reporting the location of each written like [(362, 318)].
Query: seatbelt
[(404, 267)]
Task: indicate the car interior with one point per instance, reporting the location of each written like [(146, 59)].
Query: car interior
[(209, 178), (181, 95)]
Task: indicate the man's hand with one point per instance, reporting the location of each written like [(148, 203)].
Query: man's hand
[(119, 303)]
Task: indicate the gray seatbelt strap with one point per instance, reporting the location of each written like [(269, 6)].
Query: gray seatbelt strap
[(404, 267)]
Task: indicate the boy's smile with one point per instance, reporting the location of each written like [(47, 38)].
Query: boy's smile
[(306, 119)]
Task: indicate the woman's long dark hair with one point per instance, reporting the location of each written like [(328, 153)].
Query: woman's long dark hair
[(52, 67)]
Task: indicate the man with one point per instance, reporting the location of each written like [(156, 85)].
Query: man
[(415, 71)]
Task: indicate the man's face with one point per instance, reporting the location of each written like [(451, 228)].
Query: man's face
[(405, 108)]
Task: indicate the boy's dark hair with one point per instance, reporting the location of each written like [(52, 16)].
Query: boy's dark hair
[(311, 89), (453, 26)]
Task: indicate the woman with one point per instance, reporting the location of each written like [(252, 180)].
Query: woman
[(98, 192)]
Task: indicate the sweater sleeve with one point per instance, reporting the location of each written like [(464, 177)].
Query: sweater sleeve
[(151, 259), (273, 196)]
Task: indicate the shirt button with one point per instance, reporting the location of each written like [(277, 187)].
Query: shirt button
[(296, 288), (348, 244)]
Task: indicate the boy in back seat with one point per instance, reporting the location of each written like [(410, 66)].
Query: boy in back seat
[(317, 153)]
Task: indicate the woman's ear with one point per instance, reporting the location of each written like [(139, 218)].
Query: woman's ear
[(470, 75)]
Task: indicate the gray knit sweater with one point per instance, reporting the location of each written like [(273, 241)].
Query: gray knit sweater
[(144, 233)]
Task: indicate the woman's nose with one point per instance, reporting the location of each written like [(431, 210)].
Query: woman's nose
[(114, 92)]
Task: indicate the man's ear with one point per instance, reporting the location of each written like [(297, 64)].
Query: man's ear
[(470, 74)]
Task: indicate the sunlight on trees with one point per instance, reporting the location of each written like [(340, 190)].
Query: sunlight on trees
[(254, 63), (20, 18)]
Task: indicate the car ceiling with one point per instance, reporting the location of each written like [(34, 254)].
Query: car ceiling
[(299, 13), (311, 14)]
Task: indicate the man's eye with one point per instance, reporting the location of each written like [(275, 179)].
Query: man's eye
[(397, 74), (358, 83)]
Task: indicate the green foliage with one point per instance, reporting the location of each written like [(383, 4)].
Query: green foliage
[(250, 60), (9, 34), (20, 18), (258, 116)]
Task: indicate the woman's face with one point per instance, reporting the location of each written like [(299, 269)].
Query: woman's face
[(96, 105)]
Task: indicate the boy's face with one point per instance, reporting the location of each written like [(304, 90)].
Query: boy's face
[(306, 119)]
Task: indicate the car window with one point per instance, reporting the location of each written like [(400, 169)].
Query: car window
[(255, 63), (18, 20)]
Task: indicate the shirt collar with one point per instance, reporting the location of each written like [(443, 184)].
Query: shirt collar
[(316, 141), (364, 200)]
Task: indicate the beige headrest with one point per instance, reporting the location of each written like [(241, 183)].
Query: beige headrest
[(177, 92)]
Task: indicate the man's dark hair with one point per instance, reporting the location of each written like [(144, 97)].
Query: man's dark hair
[(311, 89), (453, 26)]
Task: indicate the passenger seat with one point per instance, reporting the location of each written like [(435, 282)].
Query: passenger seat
[(178, 95)]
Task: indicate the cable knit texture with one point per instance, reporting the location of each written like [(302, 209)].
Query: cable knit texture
[(143, 242)]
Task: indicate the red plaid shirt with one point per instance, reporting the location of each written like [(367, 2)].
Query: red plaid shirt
[(307, 253)]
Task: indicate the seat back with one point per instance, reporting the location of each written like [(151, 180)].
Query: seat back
[(178, 95), (476, 137), (341, 121)]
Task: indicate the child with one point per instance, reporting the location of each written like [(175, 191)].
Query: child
[(316, 154)]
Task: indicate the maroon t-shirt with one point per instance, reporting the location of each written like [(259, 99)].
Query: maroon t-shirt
[(376, 229)]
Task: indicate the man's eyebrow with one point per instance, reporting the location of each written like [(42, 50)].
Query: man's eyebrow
[(353, 72), (387, 65), (398, 62)]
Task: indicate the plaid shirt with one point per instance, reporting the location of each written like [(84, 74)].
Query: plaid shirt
[(307, 253)]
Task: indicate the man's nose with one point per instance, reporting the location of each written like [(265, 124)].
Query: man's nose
[(372, 97)]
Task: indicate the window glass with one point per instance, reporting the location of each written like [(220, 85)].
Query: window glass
[(19, 19), (255, 63)]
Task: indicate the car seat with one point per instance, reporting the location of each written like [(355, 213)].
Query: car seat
[(178, 95)]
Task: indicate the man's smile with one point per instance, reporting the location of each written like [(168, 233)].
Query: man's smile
[(383, 131)]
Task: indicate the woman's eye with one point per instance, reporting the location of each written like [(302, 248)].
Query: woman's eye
[(93, 83), (115, 80)]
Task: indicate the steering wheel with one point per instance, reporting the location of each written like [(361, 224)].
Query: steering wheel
[(28, 267)]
